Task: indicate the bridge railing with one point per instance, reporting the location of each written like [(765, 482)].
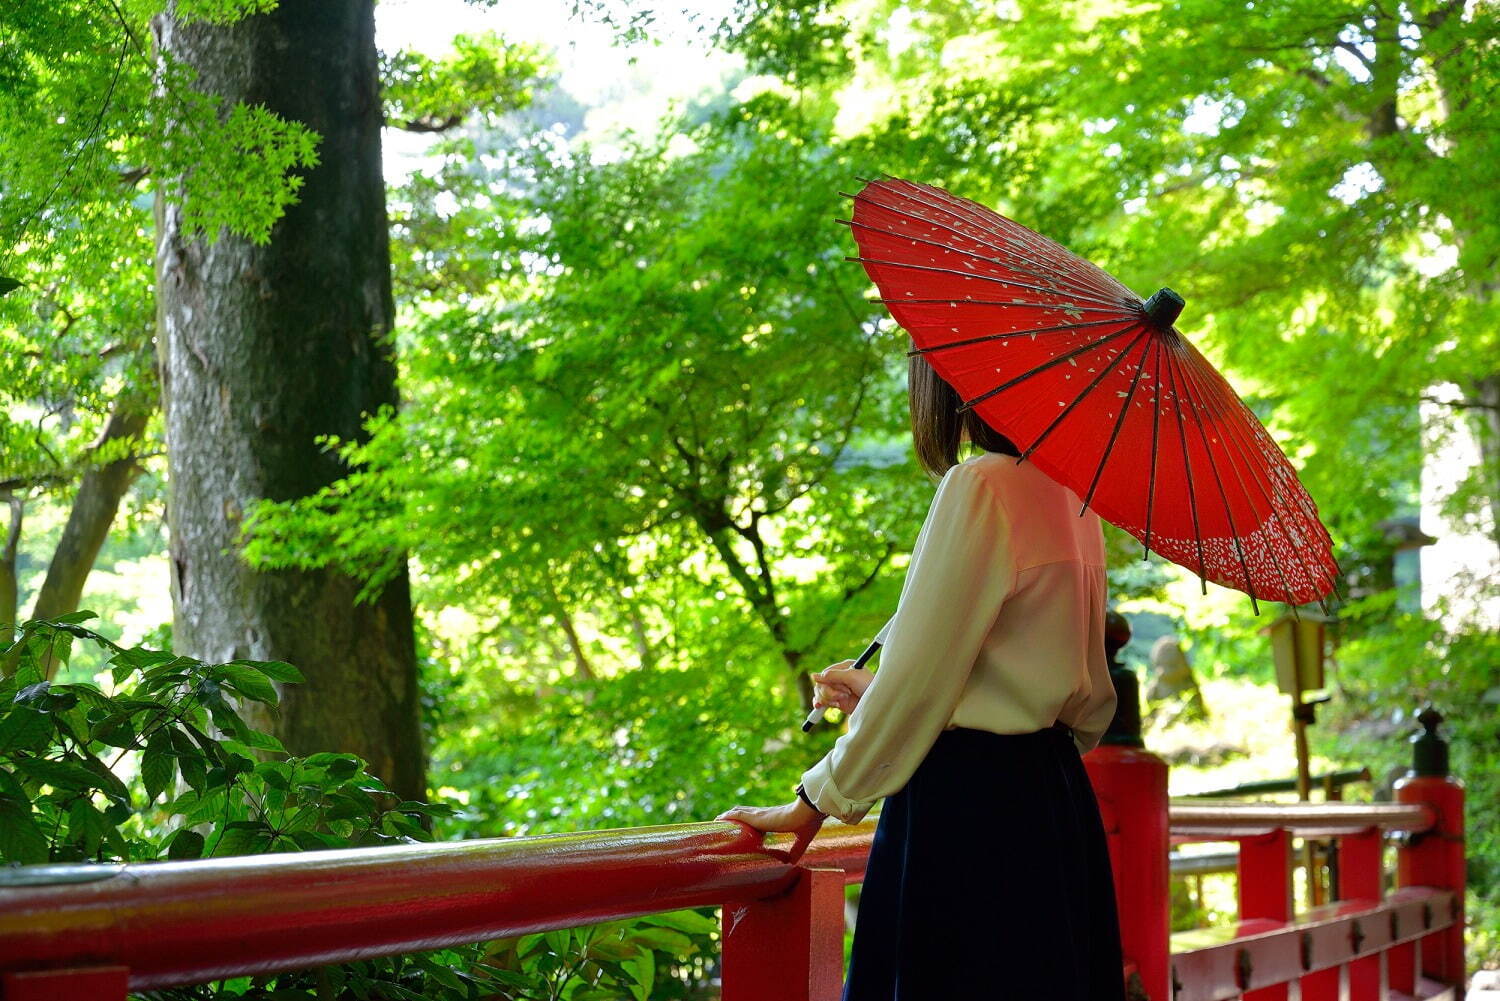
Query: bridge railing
[(74, 932), (1389, 935)]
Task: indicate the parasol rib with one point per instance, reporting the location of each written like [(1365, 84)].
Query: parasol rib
[(1155, 442), (1297, 493), (1187, 465), (1071, 295), (1076, 267), (1046, 271), (1104, 371), (1096, 281), (1019, 236), (1140, 370), (1245, 453), (967, 275), (966, 342), (985, 220), (1203, 393), (1234, 534), (1044, 366)]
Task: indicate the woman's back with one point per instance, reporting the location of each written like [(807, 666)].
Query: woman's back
[(1043, 659), (1000, 627)]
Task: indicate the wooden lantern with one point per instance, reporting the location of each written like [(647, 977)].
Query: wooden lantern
[(1297, 648)]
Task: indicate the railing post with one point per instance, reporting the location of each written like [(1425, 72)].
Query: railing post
[(1362, 877), (789, 947), (1131, 786), (1436, 858), (101, 983), (1265, 891)]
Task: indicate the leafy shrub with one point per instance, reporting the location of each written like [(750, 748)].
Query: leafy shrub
[(663, 746), (1389, 665), (164, 767)]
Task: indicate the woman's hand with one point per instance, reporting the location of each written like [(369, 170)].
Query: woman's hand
[(840, 686), (795, 816)]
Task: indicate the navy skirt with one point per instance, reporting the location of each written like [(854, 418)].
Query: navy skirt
[(989, 879)]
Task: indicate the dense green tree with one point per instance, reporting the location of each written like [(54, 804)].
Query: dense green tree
[(80, 383), (1315, 178), (660, 375), (82, 136), (653, 395), (650, 456)]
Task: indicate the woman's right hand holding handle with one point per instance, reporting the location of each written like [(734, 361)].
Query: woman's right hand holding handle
[(840, 686)]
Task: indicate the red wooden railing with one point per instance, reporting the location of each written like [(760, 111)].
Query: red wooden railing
[(69, 932)]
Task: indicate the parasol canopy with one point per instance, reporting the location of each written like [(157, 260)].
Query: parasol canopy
[(1095, 387)]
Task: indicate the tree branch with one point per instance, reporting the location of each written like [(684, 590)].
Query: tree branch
[(9, 587), (1353, 50), (1463, 403), (426, 123), (851, 592)]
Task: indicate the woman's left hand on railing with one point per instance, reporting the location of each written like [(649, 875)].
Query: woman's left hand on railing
[(796, 816)]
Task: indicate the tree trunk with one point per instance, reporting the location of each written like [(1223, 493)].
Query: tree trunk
[(1486, 390), (94, 507), (645, 656), (9, 584), (262, 349), (581, 666)]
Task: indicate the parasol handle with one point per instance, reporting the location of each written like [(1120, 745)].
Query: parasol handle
[(816, 716)]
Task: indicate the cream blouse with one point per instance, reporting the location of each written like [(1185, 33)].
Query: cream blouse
[(1000, 626)]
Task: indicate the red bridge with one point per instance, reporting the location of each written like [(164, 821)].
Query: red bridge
[(73, 932)]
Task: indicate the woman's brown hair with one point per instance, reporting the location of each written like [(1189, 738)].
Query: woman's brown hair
[(937, 428)]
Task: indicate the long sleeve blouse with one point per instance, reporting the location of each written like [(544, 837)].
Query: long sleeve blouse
[(1000, 627)]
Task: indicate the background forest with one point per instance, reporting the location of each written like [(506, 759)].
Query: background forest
[(542, 461)]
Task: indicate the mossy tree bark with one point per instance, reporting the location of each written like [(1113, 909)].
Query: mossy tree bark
[(264, 348), (95, 505), (10, 544), (100, 492)]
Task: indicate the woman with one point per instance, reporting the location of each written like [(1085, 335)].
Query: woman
[(988, 877)]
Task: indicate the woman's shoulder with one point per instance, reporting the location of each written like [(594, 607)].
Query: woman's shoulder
[(1001, 472), (974, 482), (1014, 476), (1057, 525), (1022, 485)]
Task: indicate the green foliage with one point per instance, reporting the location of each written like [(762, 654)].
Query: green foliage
[(202, 781), (93, 127), (90, 111), (1391, 664), (644, 409), (665, 745), (483, 74), (660, 956), (220, 11), (164, 767), (801, 41), (235, 172)]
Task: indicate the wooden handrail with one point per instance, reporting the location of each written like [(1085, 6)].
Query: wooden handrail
[(183, 922), (1229, 960), (1199, 821), (161, 924), (187, 922), (1327, 780)]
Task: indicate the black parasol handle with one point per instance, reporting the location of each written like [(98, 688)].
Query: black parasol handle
[(816, 716)]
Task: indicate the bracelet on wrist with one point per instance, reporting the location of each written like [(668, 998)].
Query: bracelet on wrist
[(802, 795)]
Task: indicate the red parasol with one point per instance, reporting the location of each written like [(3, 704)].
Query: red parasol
[(1095, 387)]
